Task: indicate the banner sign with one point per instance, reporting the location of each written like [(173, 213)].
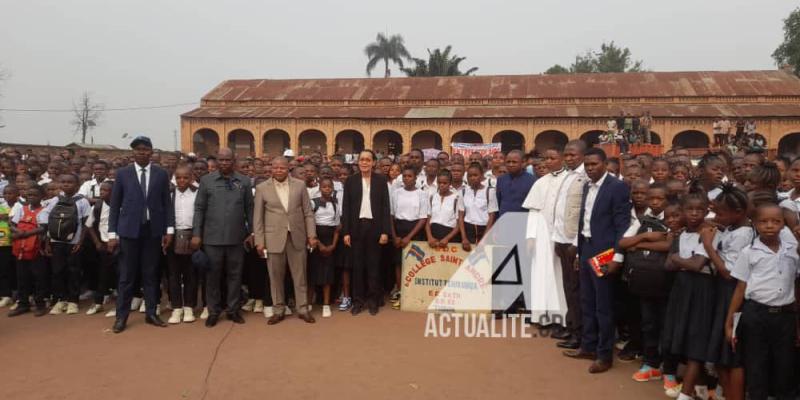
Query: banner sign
[(427, 271), (484, 149)]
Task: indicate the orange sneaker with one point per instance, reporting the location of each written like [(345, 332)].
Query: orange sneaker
[(671, 386), (647, 373)]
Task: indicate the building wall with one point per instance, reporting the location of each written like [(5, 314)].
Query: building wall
[(773, 129)]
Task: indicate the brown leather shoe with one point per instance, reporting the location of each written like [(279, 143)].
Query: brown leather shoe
[(579, 354), (307, 317), (599, 366), (275, 318)]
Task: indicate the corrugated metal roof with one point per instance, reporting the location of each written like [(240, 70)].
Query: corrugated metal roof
[(544, 111), (643, 84)]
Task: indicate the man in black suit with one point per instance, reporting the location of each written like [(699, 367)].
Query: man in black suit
[(604, 218), (365, 227), (141, 221)]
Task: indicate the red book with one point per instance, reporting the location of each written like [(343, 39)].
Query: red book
[(600, 261)]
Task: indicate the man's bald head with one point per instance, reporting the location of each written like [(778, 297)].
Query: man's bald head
[(280, 168), (225, 159)]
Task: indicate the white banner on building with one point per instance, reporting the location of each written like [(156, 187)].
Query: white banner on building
[(484, 149)]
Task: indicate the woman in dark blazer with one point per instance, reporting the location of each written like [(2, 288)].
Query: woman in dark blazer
[(365, 227)]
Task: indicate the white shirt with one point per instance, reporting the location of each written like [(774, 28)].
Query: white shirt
[(410, 205), (44, 181), (478, 204), (184, 208), (366, 207), (327, 215), (591, 196), (313, 192), (731, 243), (91, 189), (146, 184), (444, 211), (769, 275), (102, 227), (561, 205)]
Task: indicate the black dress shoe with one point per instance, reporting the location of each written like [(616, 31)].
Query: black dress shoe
[(373, 310), (155, 321), (212, 320), (236, 318), (275, 318), (19, 311), (357, 308), (307, 318), (570, 343), (562, 334), (580, 354), (40, 312), (119, 325)]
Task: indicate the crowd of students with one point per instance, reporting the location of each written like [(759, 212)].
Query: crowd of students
[(708, 279)]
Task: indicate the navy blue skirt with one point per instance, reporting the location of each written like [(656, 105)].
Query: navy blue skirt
[(690, 314)]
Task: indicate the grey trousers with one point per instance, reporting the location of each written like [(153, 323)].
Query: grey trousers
[(276, 263), (229, 259)]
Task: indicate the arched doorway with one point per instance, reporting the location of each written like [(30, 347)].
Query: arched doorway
[(388, 142), (592, 138), (276, 141), (691, 139), (655, 138), (205, 142), (349, 142), (312, 140), (426, 140), (242, 143), (509, 140), (467, 137), (550, 139)]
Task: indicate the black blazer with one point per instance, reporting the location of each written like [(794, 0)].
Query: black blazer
[(379, 202), (128, 203)]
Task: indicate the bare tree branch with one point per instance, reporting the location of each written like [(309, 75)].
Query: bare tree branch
[(86, 115)]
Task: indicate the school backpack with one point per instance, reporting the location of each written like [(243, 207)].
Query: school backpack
[(63, 221), (316, 202), (27, 248), (644, 269)]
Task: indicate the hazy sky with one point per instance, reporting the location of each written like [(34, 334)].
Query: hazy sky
[(146, 53)]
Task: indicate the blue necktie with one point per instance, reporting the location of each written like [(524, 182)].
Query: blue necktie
[(143, 184)]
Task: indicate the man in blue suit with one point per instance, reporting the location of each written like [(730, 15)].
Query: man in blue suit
[(605, 216), (141, 221)]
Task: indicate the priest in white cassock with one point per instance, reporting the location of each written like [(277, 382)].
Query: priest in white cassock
[(547, 296)]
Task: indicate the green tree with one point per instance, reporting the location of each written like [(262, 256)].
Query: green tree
[(386, 49), (439, 63), (557, 69), (610, 58), (789, 51)]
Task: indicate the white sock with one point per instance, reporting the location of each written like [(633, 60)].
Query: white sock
[(684, 396)]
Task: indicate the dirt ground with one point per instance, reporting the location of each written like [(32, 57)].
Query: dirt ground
[(382, 357)]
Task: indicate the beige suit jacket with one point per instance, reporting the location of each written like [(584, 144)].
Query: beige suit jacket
[(271, 222)]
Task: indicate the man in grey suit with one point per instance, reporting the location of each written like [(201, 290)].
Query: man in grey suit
[(222, 220), (283, 224)]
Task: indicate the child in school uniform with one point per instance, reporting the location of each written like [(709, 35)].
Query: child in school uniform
[(428, 182), (322, 271), (766, 272), (409, 208), (31, 270), (64, 244), (11, 207), (646, 252), (724, 247), (480, 207), (343, 254), (97, 228), (446, 210), (182, 274), (690, 308)]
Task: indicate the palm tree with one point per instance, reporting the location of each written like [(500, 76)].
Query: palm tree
[(387, 49), (439, 63)]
